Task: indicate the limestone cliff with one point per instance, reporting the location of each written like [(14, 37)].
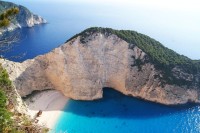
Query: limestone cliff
[(24, 19), (84, 65)]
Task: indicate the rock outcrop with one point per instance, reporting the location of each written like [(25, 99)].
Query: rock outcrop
[(80, 70), (24, 19)]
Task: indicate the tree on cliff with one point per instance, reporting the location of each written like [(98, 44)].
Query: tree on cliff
[(7, 16)]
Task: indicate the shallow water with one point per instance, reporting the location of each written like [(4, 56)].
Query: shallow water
[(116, 113)]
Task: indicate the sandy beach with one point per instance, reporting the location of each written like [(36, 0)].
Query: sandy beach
[(51, 103)]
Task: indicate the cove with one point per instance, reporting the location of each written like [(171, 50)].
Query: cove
[(117, 113)]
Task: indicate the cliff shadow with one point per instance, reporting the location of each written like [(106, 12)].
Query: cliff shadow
[(115, 104)]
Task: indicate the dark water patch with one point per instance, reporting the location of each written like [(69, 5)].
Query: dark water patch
[(35, 41), (118, 113), (115, 104)]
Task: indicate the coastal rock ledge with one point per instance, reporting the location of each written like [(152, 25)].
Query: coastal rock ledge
[(84, 65)]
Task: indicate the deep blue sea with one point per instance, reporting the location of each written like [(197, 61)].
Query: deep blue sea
[(178, 29), (115, 113)]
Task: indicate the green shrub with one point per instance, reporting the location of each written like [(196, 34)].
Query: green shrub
[(7, 16), (6, 123), (4, 79), (5, 115), (4, 23)]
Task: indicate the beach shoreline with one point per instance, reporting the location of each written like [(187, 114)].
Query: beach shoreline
[(51, 103)]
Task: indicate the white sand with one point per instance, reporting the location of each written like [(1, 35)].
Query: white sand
[(51, 103)]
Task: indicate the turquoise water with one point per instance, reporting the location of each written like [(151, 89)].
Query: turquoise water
[(116, 113)]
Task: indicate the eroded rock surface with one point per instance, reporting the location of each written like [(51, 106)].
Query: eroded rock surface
[(81, 70)]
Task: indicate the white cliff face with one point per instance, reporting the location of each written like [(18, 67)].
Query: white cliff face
[(33, 20), (25, 18), (81, 71)]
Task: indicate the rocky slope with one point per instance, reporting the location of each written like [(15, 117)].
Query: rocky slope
[(25, 18), (88, 62)]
